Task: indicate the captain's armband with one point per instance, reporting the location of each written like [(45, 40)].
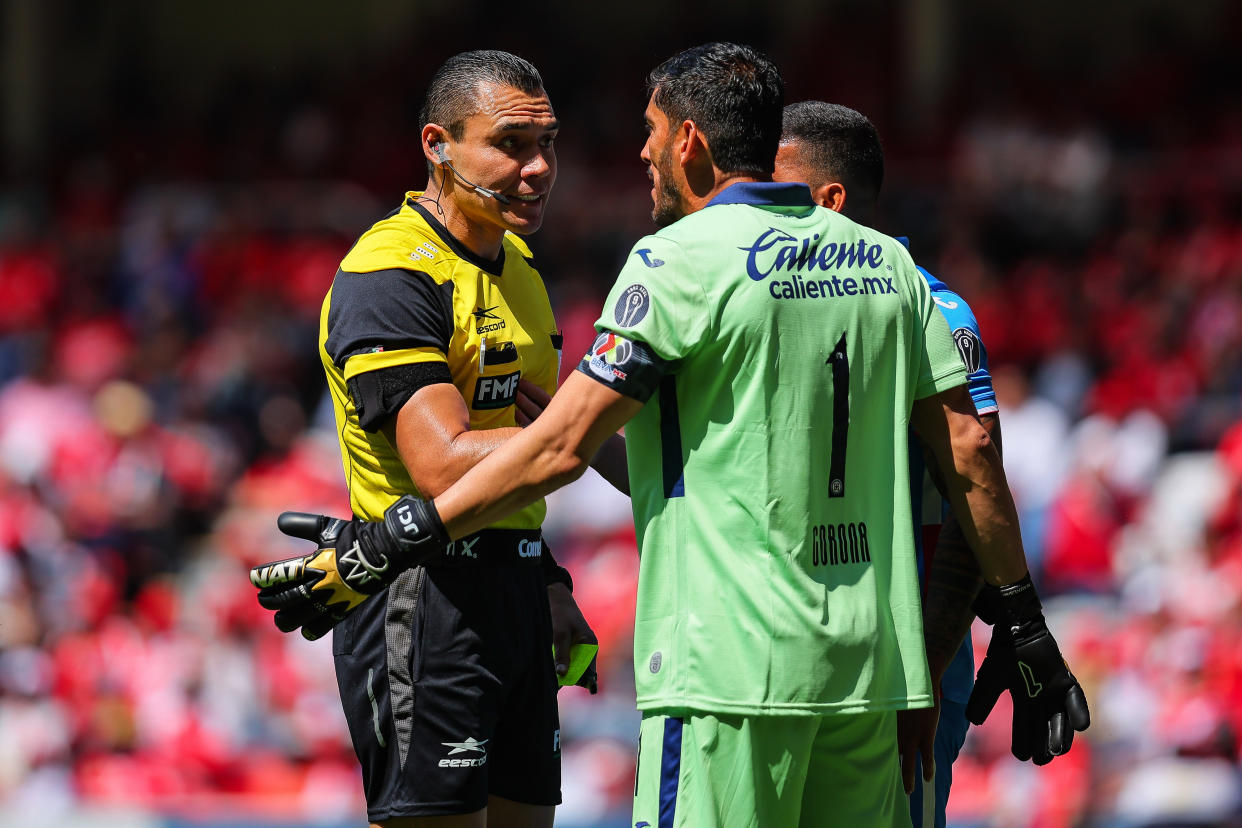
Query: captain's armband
[(628, 367)]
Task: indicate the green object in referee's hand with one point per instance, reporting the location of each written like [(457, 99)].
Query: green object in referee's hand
[(580, 658)]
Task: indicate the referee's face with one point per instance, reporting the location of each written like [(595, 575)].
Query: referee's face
[(657, 155), (507, 147)]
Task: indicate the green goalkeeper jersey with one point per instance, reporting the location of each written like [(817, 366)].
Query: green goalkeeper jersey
[(784, 346)]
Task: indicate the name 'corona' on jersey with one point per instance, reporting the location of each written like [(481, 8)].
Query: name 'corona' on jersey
[(782, 251), (799, 288)]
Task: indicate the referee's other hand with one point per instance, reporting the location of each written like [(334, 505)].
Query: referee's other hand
[(569, 627), (531, 401)]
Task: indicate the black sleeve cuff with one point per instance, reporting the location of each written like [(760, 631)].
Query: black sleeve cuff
[(380, 394)]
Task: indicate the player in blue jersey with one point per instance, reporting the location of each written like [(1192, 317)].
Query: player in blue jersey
[(837, 152)]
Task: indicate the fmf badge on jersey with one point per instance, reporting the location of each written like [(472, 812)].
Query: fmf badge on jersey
[(632, 306)]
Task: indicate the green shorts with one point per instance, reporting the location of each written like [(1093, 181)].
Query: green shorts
[(699, 771)]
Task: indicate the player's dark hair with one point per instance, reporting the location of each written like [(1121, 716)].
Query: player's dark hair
[(453, 94), (733, 94), (838, 144)]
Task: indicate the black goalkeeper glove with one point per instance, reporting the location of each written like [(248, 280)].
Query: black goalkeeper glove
[(355, 560), (1023, 658)]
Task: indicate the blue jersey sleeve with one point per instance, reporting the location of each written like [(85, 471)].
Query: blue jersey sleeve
[(966, 335)]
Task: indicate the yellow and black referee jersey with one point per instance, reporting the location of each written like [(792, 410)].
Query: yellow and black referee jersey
[(411, 306)]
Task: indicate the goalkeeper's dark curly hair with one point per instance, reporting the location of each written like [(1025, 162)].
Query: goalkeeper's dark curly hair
[(733, 94)]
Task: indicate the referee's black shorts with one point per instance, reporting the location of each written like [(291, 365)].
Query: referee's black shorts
[(449, 686)]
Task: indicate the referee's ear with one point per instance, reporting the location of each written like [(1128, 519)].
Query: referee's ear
[(431, 136)]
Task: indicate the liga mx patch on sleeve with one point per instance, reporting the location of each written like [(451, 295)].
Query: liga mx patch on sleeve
[(631, 368), (609, 356)]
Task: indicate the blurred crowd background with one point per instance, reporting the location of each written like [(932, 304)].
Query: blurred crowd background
[(181, 180)]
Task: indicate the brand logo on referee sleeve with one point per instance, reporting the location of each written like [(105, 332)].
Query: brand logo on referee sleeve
[(969, 346), (496, 392), (632, 306)]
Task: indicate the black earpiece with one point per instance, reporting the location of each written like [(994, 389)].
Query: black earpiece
[(440, 148)]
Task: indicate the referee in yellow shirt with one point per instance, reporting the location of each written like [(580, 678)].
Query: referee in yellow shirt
[(435, 315)]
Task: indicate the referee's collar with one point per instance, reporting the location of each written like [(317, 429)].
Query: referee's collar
[(495, 266), (765, 194)]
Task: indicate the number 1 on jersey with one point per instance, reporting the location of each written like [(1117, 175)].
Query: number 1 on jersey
[(840, 417)]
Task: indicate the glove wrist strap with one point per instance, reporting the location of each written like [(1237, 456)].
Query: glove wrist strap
[(1020, 608), (415, 529)]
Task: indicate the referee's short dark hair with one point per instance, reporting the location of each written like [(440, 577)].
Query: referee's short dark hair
[(838, 144), (453, 94), (733, 94)]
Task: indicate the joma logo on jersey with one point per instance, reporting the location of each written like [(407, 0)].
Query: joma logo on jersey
[(496, 392), (776, 250)]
